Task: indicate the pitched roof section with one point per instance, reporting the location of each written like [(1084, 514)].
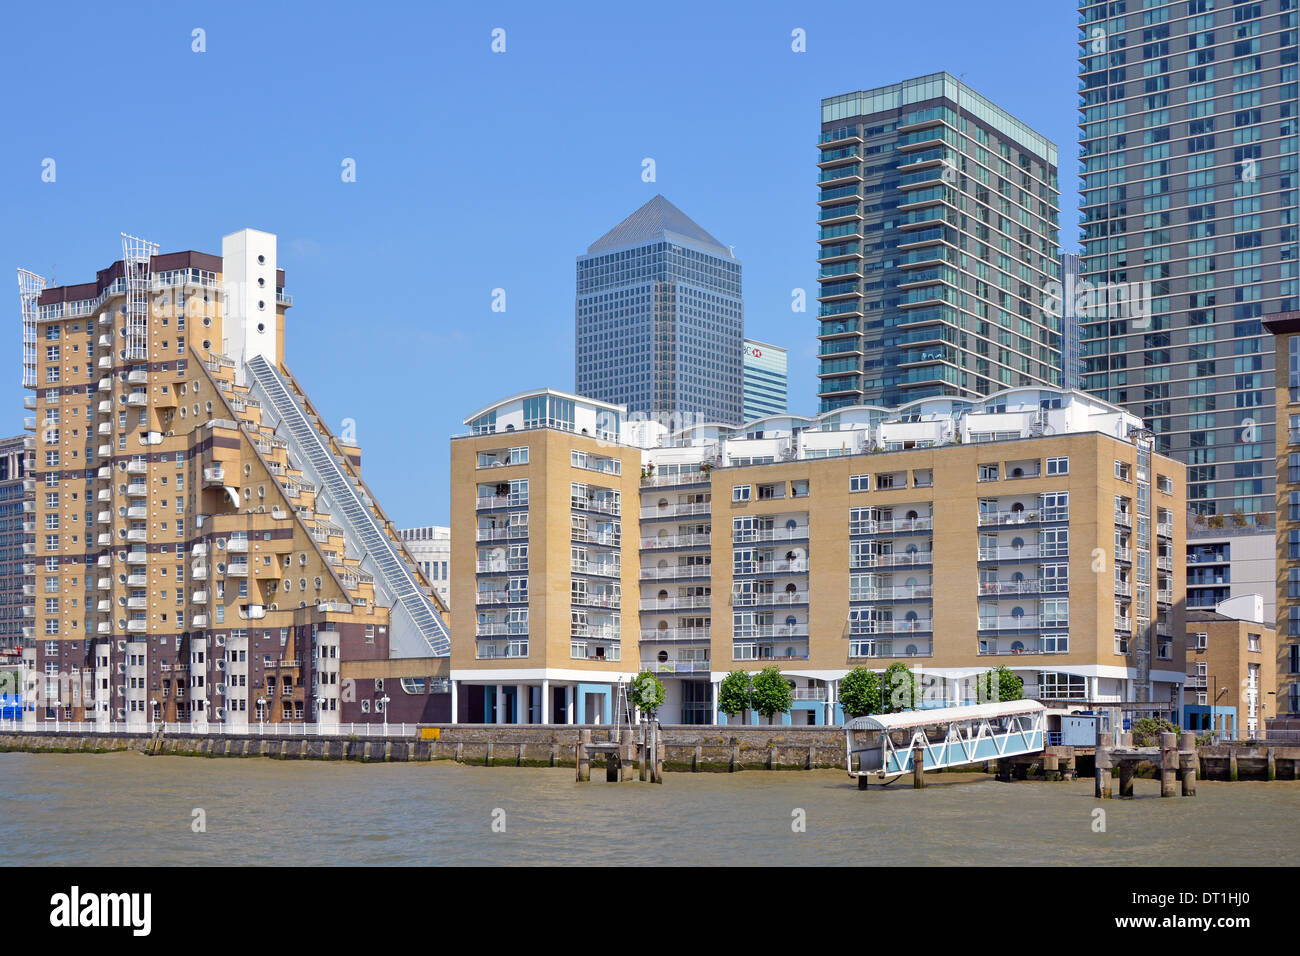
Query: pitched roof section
[(658, 219)]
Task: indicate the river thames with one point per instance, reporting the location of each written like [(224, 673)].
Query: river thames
[(127, 809)]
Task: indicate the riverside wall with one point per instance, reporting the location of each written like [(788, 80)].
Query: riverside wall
[(687, 748)]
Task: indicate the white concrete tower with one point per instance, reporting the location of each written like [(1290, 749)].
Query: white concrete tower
[(248, 269)]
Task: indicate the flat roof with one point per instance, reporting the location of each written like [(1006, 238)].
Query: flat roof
[(908, 719)]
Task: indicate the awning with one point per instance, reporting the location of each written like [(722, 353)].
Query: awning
[(944, 715)]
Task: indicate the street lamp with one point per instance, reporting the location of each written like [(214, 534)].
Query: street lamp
[(384, 700), (261, 713), (153, 715)]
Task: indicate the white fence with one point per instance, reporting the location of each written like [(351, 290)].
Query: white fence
[(253, 729)]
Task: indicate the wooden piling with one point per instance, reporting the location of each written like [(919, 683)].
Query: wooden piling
[(918, 768), (583, 760), (735, 755), (1187, 761), (613, 766), (1272, 764), (695, 759)]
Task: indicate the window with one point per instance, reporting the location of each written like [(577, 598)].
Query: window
[(859, 483), (988, 473), (1058, 466), (740, 492)]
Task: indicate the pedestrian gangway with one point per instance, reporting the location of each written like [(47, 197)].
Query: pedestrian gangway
[(415, 628), (884, 744)]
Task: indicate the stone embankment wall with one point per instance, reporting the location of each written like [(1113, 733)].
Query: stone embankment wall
[(686, 748)]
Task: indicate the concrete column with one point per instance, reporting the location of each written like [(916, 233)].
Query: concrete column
[(568, 704), (713, 696), (583, 760), (546, 701), (523, 704), (1102, 773), (501, 709), (453, 701), (1168, 764), (1126, 768)]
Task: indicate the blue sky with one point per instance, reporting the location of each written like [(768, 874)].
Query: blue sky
[(475, 170)]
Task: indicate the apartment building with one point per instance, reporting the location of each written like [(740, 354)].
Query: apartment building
[(206, 549), (430, 547), (937, 217), (1285, 328), (1188, 146), (1231, 673), (1033, 529), (17, 585)]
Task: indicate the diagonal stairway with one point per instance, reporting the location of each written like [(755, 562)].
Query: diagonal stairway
[(415, 628)]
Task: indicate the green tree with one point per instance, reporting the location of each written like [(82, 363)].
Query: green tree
[(735, 693), (1147, 731), (646, 692), (898, 688), (771, 693), (999, 684), (860, 692)]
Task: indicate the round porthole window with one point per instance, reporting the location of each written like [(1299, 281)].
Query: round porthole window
[(261, 304), (261, 326), (261, 283), (261, 260)]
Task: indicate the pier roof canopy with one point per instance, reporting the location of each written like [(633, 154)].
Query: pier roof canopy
[(944, 715)]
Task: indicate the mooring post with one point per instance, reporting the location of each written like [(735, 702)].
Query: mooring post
[(1168, 764), (641, 755), (613, 765), (1232, 763), (1272, 764), (1126, 768), (735, 755), (918, 768), (584, 757), (659, 753), (1187, 763)]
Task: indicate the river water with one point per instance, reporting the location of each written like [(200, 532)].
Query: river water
[(128, 809)]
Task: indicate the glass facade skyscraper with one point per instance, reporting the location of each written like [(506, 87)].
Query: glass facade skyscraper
[(1188, 153), (766, 380), (660, 320), (938, 242)]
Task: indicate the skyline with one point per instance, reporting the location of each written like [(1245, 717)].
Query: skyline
[(415, 168)]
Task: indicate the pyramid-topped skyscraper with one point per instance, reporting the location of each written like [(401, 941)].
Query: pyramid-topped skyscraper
[(659, 319)]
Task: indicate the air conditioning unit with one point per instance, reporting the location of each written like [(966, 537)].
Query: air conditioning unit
[(121, 668), (221, 689), (121, 645), (221, 640), (221, 713)]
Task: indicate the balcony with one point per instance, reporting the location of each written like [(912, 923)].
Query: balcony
[(1006, 518), (237, 569), (797, 533), (896, 526), (1124, 554), (237, 545), (104, 561), (677, 541), (137, 399), (137, 625), (675, 603), (905, 559), (1124, 624), (500, 596), (681, 508), (599, 599), (137, 489), (252, 612), (491, 502), (137, 511), (676, 635), (104, 539), (776, 599), (199, 550), (1026, 552), (136, 580), (677, 571), (1165, 529), (609, 569), (1014, 622), (104, 627), (676, 667), (105, 451), (199, 620), (1124, 519), (137, 376), (773, 566), (137, 603), (214, 476), (104, 584), (137, 534), (998, 588), (199, 572), (991, 648), (199, 597), (137, 466)]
